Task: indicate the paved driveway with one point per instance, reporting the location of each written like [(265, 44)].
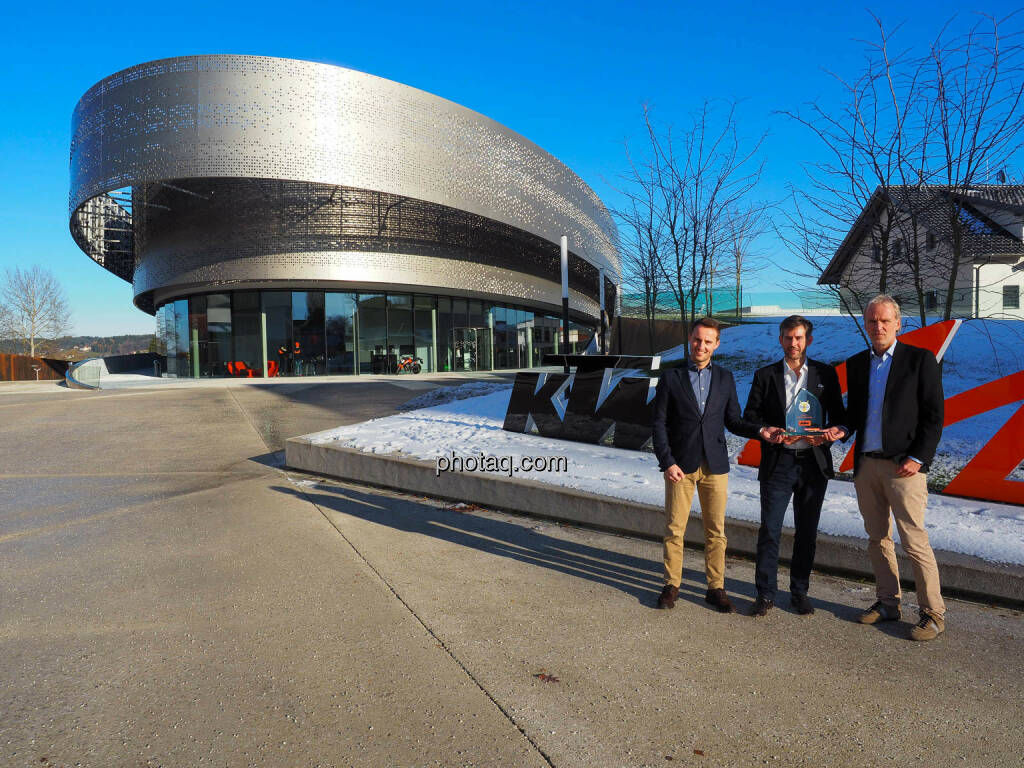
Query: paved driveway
[(171, 597)]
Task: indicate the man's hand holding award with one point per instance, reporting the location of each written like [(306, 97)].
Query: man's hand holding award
[(804, 420)]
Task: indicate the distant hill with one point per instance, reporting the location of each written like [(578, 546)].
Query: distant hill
[(75, 346)]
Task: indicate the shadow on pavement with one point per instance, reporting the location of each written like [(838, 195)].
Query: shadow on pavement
[(636, 576), (274, 459)]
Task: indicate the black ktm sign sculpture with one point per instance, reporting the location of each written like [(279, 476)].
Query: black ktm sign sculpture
[(608, 397)]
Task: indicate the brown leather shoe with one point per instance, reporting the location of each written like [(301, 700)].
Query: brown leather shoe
[(667, 598), (719, 600), (761, 607), (880, 612), (928, 628)]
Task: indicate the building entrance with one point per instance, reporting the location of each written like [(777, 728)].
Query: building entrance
[(472, 348)]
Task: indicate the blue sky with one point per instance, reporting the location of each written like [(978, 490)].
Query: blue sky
[(569, 76)]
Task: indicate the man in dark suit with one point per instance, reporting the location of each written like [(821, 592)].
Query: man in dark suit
[(895, 406), (792, 467), (692, 407)]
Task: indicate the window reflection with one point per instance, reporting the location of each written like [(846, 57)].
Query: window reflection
[(444, 333), (401, 342), (277, 307), (424, 321), (315, 332), (308, 343), (373, 333), (340, 332), (247, 360)]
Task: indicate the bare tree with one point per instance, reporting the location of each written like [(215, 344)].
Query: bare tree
[(34, 307), (814, 245), (977, 98), (918, 132), (641, 239), (697, 180), (720, 172), (746, 224)]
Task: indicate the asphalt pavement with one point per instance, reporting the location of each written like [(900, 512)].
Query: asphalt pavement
[(173, 597)]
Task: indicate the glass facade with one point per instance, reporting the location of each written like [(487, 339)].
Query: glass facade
[(309, 344), (311, 333), (247, 325), (340, 322), (373, 332), (277, 316), (173, 337)]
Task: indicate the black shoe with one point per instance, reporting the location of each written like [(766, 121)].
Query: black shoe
[(667, 598), (761, 607), (801, 604), (719, 600)]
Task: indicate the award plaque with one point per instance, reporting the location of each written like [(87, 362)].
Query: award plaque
[(804, 416)]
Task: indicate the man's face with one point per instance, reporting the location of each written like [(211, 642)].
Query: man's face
[(881, 325), (703, 343), (794, 343)]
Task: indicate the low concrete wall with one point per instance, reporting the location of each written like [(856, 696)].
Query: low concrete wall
[(962, 575)]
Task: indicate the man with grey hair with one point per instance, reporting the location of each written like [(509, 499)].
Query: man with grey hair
[(895, 406)]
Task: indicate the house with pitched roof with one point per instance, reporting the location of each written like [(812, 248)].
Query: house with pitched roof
[(925, 244)]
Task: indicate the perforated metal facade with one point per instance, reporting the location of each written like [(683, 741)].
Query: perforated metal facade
[(273, 172)]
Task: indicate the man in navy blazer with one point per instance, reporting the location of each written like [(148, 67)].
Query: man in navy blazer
[(692, 408), (895, 405), (792, 467)]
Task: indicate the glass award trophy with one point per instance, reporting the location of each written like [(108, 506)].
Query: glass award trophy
[(804, 416)]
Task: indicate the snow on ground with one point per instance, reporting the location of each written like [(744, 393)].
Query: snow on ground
[(473, 427), (981, 351), (468, 423), (443, 395)]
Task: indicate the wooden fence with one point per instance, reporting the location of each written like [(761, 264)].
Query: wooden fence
[(19, 368)]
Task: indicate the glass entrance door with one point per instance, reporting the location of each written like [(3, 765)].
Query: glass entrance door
[(471, 349)]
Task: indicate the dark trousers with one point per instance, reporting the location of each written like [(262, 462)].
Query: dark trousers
[(796, 476)]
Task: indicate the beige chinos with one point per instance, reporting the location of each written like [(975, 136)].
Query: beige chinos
[(881, 495), (712, 491)]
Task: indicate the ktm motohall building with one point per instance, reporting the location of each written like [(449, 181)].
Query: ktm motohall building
[(283, 217)]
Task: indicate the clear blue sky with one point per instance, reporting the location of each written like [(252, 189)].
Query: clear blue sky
[(570, 76)]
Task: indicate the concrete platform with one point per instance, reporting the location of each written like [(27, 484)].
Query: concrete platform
[(962, 575)]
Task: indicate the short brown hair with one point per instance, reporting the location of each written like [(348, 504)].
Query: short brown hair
[(793, 321), (707, 322)]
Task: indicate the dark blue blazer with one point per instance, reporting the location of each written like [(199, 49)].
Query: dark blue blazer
[(913, 409), (766, 404), (685, 437)]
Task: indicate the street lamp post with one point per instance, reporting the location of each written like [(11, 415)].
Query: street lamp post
[(618, 314), (565, 299)]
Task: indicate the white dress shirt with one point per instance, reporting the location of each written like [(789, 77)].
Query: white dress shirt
[(795, 381)]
